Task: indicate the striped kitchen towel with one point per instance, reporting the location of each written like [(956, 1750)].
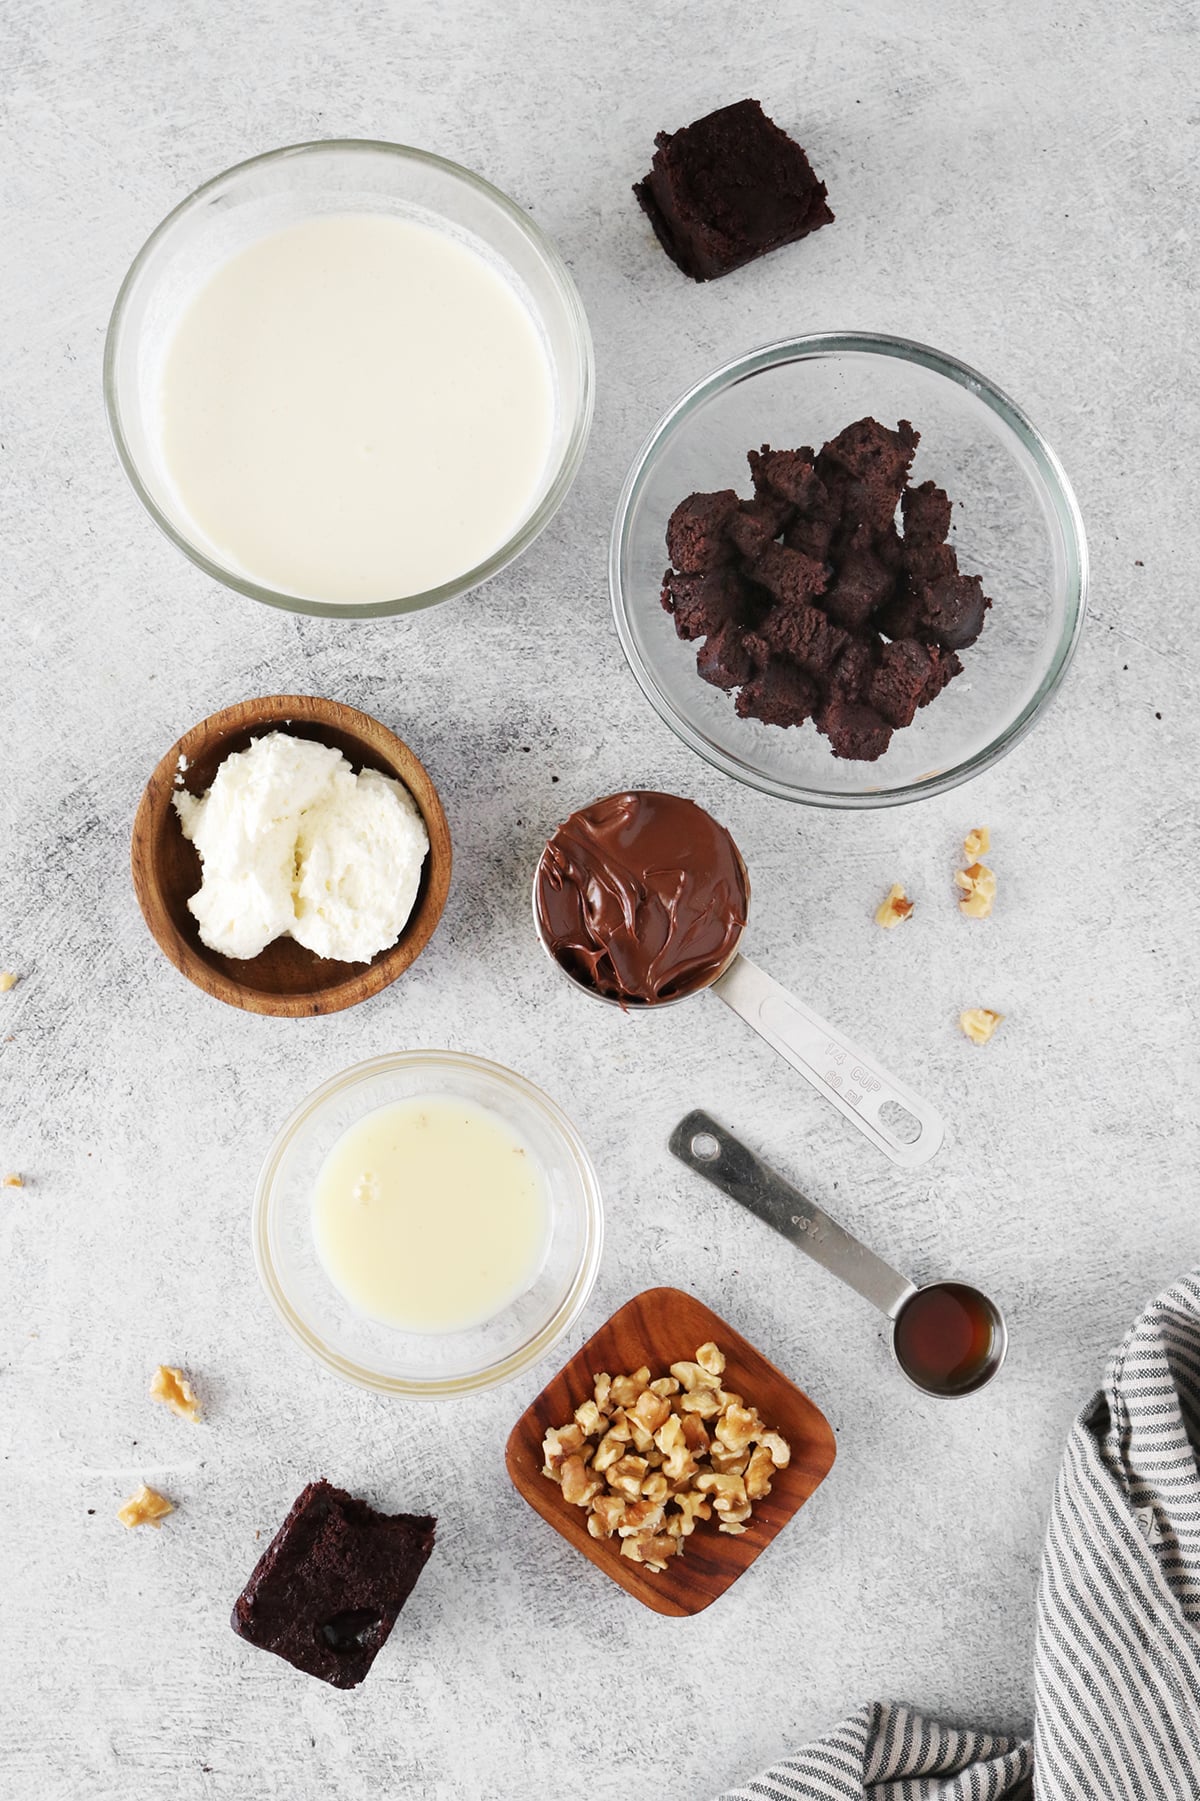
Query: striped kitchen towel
[(1117, 1665)]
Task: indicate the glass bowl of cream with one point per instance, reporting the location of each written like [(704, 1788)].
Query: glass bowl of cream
[(428, 1224), (349, 378)]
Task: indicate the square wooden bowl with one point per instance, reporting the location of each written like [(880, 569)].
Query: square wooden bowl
[(658, 1328)]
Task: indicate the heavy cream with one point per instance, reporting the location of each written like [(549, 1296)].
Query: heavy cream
[(293, 843), (431, 1214), (356, 408)]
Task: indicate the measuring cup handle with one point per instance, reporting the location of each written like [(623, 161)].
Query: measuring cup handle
[(717, 1155), (856, 1085)]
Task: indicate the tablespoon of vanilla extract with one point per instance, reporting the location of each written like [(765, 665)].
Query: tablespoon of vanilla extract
[(646, 895), (948, 1338)]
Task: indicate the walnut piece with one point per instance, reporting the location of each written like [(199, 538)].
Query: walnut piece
[(977, 843), (7, 980), (894, 907), (145, 1507), (979, 1023), (172, 1388), (639, 1457), (979, 885)]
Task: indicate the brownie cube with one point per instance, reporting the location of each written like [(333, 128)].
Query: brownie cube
[(944, 666), (860, 585), (867, 466), (788, 474), (904, 672), (757, 522), (700, 604), (727, 189), (791, 577), (855, 732), (327, 1590), (779, 694), (926, 511), (854, 670), (952, 610), (812, 536), (724, 659), (696, 538), (804, 634)]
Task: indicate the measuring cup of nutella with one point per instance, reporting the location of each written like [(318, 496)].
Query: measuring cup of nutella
[(949, 1339), (641, 899)]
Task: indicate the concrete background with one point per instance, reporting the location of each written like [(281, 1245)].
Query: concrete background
[(1014, 183)]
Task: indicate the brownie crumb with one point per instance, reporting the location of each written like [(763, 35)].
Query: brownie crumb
[(329, 1587), (811, 602), (729, 188)]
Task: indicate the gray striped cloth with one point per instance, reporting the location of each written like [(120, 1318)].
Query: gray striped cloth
[(1117, 1664)]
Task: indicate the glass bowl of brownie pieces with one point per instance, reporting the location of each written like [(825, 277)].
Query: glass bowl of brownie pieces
[(848, 571)]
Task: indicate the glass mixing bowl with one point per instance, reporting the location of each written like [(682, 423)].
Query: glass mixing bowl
[(300, 182), (1016, 524), (420, 1365)]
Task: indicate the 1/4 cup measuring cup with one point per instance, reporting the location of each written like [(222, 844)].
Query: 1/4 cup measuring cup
[(948, 1338), (630, 879)]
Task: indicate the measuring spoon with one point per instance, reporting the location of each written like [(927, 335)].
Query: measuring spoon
[(948, 1338), (895, 1119)]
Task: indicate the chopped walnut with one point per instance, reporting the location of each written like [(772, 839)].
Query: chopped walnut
[(977, 843), (7, 980), (894, 907), (145, 1507), (979, 1023), (172, 1387), (979, 885), (640, 1458), (13, 1180)]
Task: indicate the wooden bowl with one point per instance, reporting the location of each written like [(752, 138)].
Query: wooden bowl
[(661, 1327), (286, 978)]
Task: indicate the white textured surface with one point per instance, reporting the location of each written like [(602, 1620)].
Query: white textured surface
[(1014, 183)]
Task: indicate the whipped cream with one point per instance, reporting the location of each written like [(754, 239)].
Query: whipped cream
[(294, 844)]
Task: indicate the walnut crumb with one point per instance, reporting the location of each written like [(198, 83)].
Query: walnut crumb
[(977, 843), (978, 883), (7, 980), (979, 1023), (145, 1507), (13, 1181), (172, 1388), (894, 907)]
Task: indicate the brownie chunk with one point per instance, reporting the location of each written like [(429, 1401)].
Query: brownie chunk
[(725, 658), (757, 522), (952, 610), (700, 604), (804, 634), (727, 189), (780, 694), (866, 467), (859, 588), (696, 538), (854, 670), (788, 474), (855, 732), (327, 1590), (789, 575), (796, 591), (904, 672)]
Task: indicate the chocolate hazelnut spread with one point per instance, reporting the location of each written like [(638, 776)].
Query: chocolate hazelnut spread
[(641, 897)]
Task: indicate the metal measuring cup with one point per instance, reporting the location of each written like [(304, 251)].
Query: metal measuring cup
[(898, 1122), (714, 1153)]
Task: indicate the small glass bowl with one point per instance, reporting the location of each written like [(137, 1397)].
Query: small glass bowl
[(1016, 524), (283, 187), (419, 1365)]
